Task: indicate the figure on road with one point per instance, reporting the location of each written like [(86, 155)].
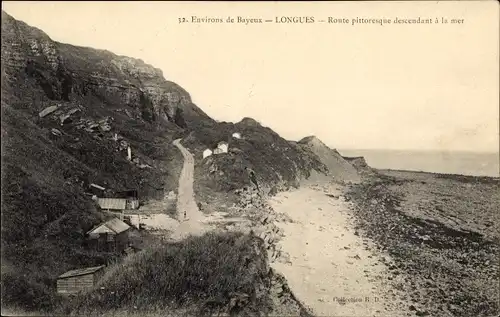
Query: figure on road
[(252, 177)]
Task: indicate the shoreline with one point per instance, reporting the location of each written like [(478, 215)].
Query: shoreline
[(332, 270), (441, 174), (441, 233), (433, 236)]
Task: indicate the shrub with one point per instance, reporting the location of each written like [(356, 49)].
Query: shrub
[(212, 272)]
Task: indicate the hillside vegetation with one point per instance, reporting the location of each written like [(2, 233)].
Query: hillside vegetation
[(48, 162), (68, 116), (274, 160), (204, 274)]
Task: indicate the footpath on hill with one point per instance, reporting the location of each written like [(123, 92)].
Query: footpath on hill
[(192, 220)]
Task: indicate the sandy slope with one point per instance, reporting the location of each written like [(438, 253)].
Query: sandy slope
[(337, 166), (332, 271)]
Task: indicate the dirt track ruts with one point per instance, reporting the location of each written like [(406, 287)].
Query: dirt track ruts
[(193, 223)]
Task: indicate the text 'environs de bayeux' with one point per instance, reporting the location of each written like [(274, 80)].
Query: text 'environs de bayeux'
[(311, 20)]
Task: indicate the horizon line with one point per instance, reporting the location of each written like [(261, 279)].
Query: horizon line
[(497, 152)]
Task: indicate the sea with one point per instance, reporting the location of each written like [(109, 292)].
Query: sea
[(463, 163)]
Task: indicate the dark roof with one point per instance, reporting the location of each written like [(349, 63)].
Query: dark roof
[(84, 271), (127, 193)]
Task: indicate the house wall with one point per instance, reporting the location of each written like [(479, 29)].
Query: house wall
[(110, 242), (97, 276), (105, 242), (132, 204), (102, 242), (207, 153), (121, 241), (73, 285)]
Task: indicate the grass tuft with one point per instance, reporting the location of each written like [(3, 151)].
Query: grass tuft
[(212, 273)]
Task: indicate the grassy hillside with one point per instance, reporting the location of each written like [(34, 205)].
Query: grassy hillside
[(48, 163), (201, 275), (273, 159)]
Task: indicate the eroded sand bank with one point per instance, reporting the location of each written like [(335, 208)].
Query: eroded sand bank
[(333, 270)]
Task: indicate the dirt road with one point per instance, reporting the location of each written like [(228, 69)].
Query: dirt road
[(333, 270), (193, 221)]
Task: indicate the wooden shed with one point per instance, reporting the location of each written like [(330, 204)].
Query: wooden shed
[(78, 280), (118, 203), (110, 236)]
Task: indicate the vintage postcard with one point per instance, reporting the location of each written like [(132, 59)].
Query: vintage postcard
[(269, 158)]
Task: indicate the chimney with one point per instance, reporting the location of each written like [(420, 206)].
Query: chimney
[(129, 154)]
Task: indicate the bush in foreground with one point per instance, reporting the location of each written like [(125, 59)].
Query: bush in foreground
[(208, 274)]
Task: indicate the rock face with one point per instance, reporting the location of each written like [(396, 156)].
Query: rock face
[(338, 167), (70, 73), (360, 164)]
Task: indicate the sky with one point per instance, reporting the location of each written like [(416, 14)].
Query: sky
[(363, 86)]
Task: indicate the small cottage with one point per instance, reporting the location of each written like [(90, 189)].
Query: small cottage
[(112, 203), (111, 236), (207, 153), (237, 135), (222, 147), (75, 281), (115, 204)]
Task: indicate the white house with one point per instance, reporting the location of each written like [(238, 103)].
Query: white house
[(237, 135), (223, 146), (207, 153)]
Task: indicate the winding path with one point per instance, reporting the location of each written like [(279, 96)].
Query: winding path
[(193, 223)]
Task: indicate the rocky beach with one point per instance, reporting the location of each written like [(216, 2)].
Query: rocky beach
[(422, 244), (439, 230)]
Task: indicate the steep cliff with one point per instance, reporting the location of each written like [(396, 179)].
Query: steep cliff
[(69, 73)]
